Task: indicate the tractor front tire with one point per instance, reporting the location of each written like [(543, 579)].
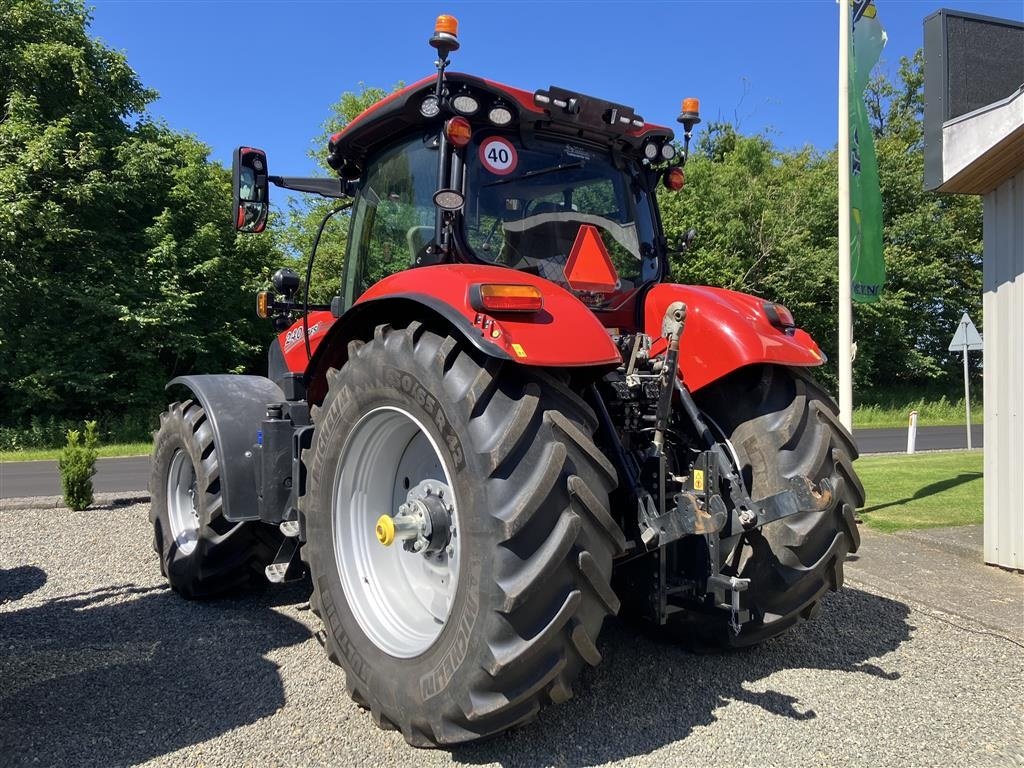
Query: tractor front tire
[(202, 553), (530, 559), (781, 425)]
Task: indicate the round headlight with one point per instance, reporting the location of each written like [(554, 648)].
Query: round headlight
[(650, 150), (465, 105), (448, 199), (668, 151), (500, 115), (430, 107)]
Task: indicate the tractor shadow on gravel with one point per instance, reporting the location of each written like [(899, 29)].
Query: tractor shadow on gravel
[(648, 693), (121, 674)]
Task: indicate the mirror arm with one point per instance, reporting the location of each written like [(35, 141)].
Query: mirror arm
[(324, 187)]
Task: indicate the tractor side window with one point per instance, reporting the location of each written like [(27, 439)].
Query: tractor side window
[(393, 220)]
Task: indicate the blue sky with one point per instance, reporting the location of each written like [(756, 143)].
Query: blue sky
[(265, 73)]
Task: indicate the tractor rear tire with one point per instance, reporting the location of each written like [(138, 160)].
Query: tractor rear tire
[(531, 586), (781, 424), (201, 552)]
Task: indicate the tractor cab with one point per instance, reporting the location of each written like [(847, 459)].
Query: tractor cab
[(457, 169), (553, 183)]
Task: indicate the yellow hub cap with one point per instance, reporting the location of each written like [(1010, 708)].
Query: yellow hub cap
[(385, 530)]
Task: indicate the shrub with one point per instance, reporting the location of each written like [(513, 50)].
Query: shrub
[(77, 466)]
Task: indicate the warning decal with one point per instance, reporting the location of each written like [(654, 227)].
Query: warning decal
[(498, 155)]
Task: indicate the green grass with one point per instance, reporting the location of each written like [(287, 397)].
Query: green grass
[(930, 413), (104, 451), (926, 490)]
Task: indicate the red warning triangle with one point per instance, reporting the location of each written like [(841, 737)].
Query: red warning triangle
[(589, 267)]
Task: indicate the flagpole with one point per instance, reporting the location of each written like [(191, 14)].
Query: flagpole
[(845, 299)]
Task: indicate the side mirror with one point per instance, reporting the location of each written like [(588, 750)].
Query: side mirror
[(250, 189)]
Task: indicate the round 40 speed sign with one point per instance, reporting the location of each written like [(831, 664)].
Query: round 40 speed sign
[(498, 155)]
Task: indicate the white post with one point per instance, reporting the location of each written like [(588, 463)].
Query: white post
[(912, 433), (967, 398), (845, 306)]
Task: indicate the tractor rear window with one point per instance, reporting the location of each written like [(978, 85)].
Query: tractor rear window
[(525, 206)]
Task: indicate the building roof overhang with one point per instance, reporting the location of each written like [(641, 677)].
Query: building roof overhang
[(983, 148)]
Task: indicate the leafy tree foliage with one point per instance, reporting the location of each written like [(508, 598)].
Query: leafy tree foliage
[(119, 268), (303, 216), (118, 265), (767, 224)]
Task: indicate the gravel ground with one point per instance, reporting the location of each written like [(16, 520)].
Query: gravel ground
[(101, 665)]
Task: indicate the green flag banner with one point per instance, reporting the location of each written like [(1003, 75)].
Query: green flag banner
[(867, 263)]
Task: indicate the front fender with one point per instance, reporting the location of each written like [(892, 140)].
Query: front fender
[(725, 330), (235, 407)]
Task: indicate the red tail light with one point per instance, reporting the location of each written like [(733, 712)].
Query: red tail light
[(779, 316), (675, 178), (502, 297)]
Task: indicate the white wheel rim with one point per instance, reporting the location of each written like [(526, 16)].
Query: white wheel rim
[(182, 512), (401, 599)]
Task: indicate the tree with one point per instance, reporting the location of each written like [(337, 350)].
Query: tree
[(303, 216), (767, 222), (119, 267)]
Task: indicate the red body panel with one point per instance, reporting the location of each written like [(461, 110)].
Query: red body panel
[(724, 331), (291, 340), (564, 333)]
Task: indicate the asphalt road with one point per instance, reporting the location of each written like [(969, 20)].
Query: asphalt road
[(928, 439), (40, 478), (101, 665), (20, 479)]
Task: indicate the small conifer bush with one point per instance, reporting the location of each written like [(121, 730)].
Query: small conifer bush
[(77, 466)]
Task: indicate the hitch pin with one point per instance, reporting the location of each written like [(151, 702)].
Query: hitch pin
[(736, 586)]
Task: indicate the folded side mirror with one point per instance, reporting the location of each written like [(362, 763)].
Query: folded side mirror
[(250, 189)]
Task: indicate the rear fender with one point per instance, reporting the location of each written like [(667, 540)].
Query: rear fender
[(235, 407), (564, 334), (724, 331)]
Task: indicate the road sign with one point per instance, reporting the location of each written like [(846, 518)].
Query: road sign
[(966, 336), (965, 340)]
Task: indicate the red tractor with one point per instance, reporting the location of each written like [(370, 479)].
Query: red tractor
[(507, 426)]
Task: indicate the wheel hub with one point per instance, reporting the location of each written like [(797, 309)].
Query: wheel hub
[(423, 522), (182, 510)]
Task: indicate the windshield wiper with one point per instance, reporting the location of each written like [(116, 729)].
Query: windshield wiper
[(540, 172)]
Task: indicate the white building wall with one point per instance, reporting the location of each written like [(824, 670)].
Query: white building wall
[(1004, 373)]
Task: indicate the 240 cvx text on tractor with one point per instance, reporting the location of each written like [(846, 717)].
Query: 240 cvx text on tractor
[(507, 426)]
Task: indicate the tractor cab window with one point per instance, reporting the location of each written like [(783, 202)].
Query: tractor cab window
[(393, 216), (525, 207)]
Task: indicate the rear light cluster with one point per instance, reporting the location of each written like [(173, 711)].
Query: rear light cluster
[(459, 131), (779, 316), (505, 297), (675, 178), (467, 104), (656, 151)]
